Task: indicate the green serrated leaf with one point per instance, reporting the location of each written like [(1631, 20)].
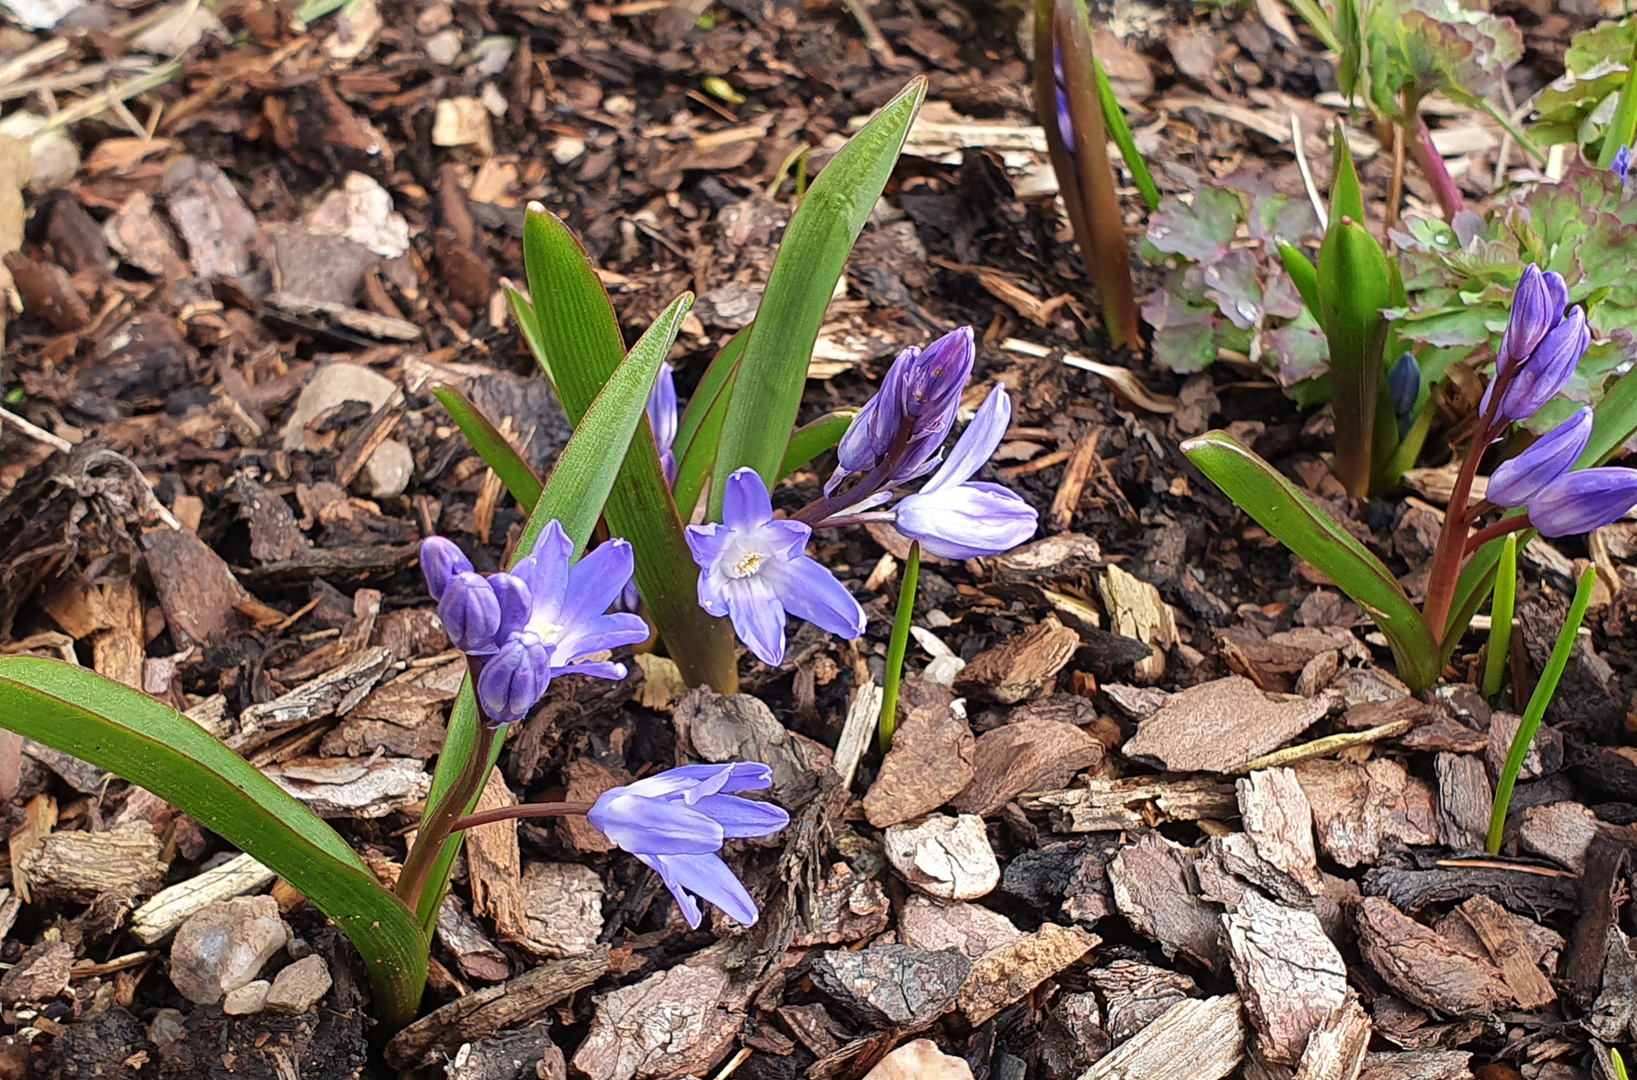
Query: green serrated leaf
[(773, 370), (1283, 510), (129, 733)]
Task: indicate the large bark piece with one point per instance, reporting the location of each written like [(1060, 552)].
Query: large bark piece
[(1424, 967), (1291, 976), (1218, 726), (1155, 889), (1197, 1039)]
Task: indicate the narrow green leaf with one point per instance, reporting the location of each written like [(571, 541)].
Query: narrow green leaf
[(897, 645), (1354, 288), (1120, 131), (129, 733), (1303, 274), (1346, 197), (528, 328), (586, 470), (700, 432), (1500, 624), (1472, 588), (1536, 711), (762, 410), (710, 395), (1623, 128), (491, 446), (1614, 423), (580, 337), (1319, 22), (810, 440), (1283, 510)]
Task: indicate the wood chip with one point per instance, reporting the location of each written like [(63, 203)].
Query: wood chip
[(173, 905), (1560, 831), (331, 694), (739, 727), (945, 857), (199, 594), (1194, 1040), (80, 867), (1291, 976), (1217, 726), (1421, 965), (1358, 808), (1154, 888), (1423, 1065), (478, 957), (1022, 667), (1134, 802), (494, 864), (1464, 801), (1005, 974), (1138, 994), (562, 904), (1136, 610), (893, 985), (1505, 940), (343, 787), (968, 929), (1337, 1047), (494, 1008), (1029, 755), (930, 762), (1279, 823)]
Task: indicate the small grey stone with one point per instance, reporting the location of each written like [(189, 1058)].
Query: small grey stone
[(387, 472), (893, 984), (166, 1028), (247, 999), (443, 47), (330, 386), (224, 946), (300, 986)]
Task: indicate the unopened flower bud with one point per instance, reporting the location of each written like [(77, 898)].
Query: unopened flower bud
[(470, 612), (1515, 481), (440, 561)]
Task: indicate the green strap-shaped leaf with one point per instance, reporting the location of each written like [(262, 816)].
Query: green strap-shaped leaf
[(129, 733), (587, 469), (1614, 423), (528, 328), (1120, 131), (1283, 510), (491, 446), (700, 433), (573, 496), (580, 337), (762, 410), (810, 440)]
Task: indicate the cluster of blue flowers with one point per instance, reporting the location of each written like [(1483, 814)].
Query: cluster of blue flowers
[(551, 616), (1543, 341)]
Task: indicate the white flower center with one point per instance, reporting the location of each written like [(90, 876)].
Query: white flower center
[(748, 564), (546, 631)]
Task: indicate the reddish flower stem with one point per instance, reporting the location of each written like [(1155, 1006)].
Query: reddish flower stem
[(523, 810), (1431, 162), (1497, 530)]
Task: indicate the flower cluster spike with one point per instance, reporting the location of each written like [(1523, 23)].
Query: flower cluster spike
[(1560, 500), (905, 423), (520, 629), (1539, 349), (676, 823)]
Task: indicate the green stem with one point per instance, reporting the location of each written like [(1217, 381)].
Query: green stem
[(1500, 614), (898, 645), (1544, 689), (474, 772)]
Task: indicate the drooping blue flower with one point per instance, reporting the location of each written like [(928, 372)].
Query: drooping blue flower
[(908, 420), (1579, 502), (1518, 479), (1539, 349), (676, 823), (1621, 166), (955, 517), (753, 570)]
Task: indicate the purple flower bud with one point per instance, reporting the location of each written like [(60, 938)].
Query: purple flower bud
[(754, 571), (1579, 502), (1621, 166), (1535, 310), (1404, 383), (663, 419), (676, 823), (1065, 120), (922, 392), (1539, 376), (956, 518), (1516, 481), (515, 678), (440, 561), (470, 612)]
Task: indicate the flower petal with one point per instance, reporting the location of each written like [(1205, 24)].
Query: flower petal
[(709, 878), (685, 900), (809, 591), (603, 632), (601, 669), (1516, 480), (977, 443), (662, 408), (745, 501), (968, 521), (515, 680), (733, 776), (742, 817), (515, 602), (757, 614), (596, 581), (545, 571), (1582, 501), (653, 826)]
